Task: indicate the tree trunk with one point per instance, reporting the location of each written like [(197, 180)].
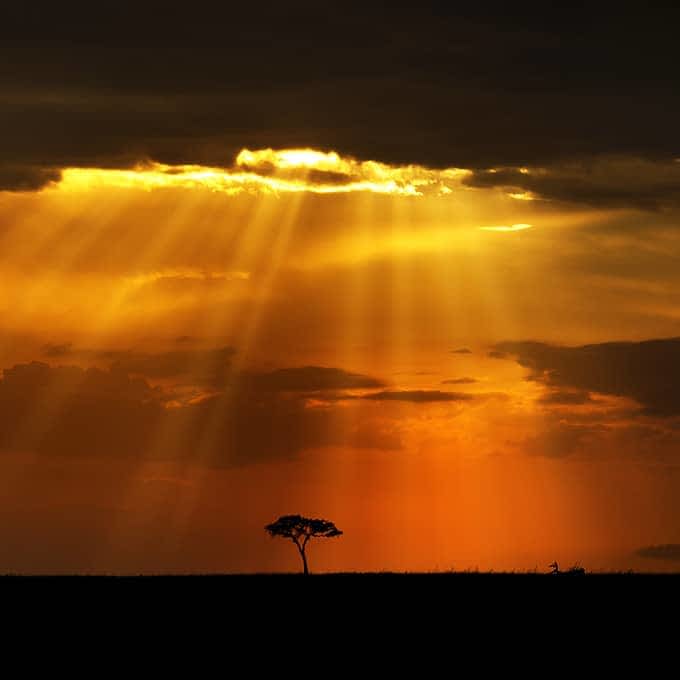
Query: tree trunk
[(304, 561)]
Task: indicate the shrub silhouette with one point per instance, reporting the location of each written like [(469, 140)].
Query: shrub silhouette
[(300, 529)]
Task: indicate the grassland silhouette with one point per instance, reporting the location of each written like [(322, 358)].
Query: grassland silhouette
[(300, 530)]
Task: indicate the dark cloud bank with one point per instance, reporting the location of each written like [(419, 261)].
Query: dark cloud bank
[(212, 412), (117, 412), (648, 371), (435, 84), (613, 182)]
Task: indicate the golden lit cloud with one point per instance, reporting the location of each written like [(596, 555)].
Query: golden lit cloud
[(522, 195), (512, 227), (293, 158), (274, 171)]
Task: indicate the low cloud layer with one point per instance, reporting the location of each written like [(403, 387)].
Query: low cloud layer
[(209, 367), (417, 396), (116, 412), (311, 379), (648, 372), (70, 410), (612, 182), (669, 552), (566, 398)]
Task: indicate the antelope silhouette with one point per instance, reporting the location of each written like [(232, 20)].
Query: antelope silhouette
[(576, 570)]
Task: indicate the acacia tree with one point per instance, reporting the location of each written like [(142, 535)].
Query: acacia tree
[(300, 529)]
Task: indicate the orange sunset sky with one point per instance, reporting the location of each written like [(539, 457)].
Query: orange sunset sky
[(438, 306)]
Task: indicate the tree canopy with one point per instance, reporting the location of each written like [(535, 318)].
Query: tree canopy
[(300, 530)]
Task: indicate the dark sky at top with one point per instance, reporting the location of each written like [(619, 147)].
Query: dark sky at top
[(425, 84)]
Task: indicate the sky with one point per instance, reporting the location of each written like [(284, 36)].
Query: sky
[(414, 270)]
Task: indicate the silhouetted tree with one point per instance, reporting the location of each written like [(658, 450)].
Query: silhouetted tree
[(300, 529)]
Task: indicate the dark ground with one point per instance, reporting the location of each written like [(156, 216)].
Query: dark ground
[(439, 618)]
